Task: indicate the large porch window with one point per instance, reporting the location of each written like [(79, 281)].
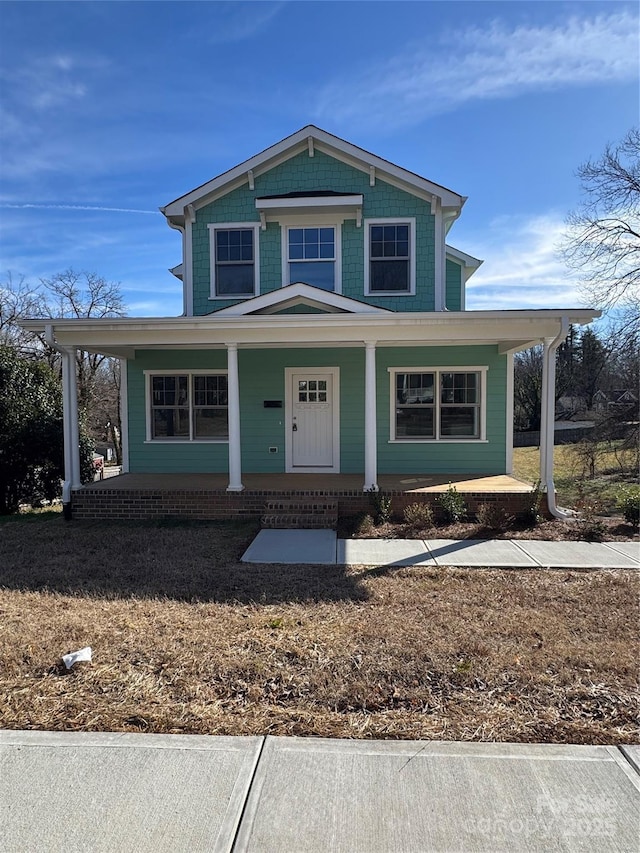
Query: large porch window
[(438, 404), (189, 406)]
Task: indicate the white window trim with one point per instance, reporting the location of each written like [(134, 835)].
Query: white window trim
[(148, 374), (399, 220), (482, 370), (314, 223), (229, 226)]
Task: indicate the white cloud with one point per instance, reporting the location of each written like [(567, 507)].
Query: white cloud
[(522, 267), (29, 206), (480, 64)]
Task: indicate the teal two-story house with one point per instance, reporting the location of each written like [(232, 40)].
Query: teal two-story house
[(324, 331)]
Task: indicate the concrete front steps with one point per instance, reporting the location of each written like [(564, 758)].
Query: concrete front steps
[(300, 513)]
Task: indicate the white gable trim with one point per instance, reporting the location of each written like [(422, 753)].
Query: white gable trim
[(299, 293), (323, 141)]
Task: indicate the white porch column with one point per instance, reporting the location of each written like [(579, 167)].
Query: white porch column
[(235, 462), (71, 431), (124, 414), (547, 411), (370, 422)]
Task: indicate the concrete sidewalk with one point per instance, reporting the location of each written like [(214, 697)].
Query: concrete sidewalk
[(128, 792), (324, 548)]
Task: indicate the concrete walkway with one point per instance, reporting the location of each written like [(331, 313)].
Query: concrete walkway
[(128, 792), (324, 548)]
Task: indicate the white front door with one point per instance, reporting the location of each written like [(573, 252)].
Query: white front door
[(312, 421)]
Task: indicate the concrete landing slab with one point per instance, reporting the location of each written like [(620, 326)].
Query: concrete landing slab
[(383, 552), (629, 549), (576, 555), (126, 792), (478, 552), (314, 547), (375, 796)]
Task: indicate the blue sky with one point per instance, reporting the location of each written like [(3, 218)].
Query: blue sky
[(109, 110)]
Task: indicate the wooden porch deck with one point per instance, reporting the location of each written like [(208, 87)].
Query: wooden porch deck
[(325, 484)]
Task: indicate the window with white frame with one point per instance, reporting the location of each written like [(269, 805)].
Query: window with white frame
[(233, 250), (390, 256), (188, 407), (431, 404), (311, 256)]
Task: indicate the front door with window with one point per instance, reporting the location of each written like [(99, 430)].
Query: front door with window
[(312, 420)]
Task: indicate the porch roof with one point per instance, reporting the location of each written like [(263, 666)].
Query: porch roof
[(121, 337)]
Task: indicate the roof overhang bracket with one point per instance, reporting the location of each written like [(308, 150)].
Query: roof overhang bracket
[(252, 185), (372, 176), (263, 221), (310, 144), (190, 214)]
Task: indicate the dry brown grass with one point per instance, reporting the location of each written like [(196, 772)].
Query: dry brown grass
[(188, 640)]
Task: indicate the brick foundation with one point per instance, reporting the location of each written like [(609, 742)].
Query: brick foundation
[(216, 504)]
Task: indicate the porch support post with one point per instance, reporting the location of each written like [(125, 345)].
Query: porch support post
[(71, 431), (76, 480), (235, 461), (370, 423), (548, 416)]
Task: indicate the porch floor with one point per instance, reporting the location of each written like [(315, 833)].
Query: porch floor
[(313, 483)]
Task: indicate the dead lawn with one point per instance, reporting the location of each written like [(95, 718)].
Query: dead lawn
[(188, 640)]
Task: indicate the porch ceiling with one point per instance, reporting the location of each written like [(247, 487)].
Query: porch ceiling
[(510, 330)]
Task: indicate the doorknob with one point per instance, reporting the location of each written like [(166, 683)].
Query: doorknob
[(294, 427)]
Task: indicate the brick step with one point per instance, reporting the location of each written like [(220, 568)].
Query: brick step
[(300, 513), (300, 522)]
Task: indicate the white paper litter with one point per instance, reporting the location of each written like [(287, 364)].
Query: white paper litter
[(74, 657)]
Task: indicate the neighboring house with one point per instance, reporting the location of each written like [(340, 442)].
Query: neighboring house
[(614, 400), (325, 331)]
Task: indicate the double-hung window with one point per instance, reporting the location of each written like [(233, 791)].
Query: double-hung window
[(431, 404), (187, 407), (234, 249), (390, 257), (311, 256)]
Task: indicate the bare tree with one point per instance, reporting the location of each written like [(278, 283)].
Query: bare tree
[(603, 238), (18, 299)]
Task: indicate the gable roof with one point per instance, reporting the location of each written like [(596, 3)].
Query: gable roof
[(310, 138), (299, 294)]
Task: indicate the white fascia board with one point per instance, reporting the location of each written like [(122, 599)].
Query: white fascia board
[(309, 201), (462, 257), (299, 290), (292, 145), (486, 327)]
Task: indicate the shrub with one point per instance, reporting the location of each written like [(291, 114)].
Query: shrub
[(419, 516), (453, 504), (590, 526), (628, 501), (364, 525), (381, 506), (533, 511), (493, 517)]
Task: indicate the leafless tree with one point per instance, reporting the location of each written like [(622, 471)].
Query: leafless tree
[(603, 237)]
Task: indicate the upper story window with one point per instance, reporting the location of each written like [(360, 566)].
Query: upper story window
[(390, 262), (311, 256), (234, 270)]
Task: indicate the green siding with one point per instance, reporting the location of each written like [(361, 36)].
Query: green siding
[(453, 296), (262, 378), (322, 172)]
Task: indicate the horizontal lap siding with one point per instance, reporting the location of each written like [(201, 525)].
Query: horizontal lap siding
[(262, 378), (449, 458), (168, 457)]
